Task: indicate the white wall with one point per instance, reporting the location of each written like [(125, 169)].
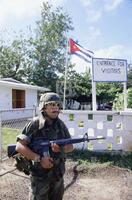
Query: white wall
[(31, 98), (5, 97), (116, 127)]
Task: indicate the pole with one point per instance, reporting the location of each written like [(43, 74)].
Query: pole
[(93, 91), (125, 95), (93, 95), (65, 78), (0, 136)]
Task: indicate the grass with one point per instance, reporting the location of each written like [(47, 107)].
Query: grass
[(85, 157), (9, 136)]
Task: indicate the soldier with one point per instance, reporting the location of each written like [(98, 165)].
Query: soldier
[(47, 171)]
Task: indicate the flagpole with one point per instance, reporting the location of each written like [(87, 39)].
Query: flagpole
[(65, 77), (85, 54)]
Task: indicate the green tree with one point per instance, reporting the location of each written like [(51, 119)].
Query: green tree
[(48, 48), (129, 83), (129, 91), (39, 59), (78, 84), (118, 103), (106, 92), (83, 84), (12, 60)]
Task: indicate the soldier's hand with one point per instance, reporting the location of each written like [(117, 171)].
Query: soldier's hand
[(55, 148), (47, 162)]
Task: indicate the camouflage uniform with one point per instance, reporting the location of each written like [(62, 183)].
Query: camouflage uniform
[(47, 184)]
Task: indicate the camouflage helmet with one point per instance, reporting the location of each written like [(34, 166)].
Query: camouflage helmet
[(48, 98)]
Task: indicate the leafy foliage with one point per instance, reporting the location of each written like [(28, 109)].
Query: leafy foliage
[(78, 84), (12, 60), (49, 47), (129, 83), (41, 57), (83, 84), (129, 98), (118, 103), (107, 91)]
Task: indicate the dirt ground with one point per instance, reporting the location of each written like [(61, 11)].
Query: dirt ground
[(106, 183)]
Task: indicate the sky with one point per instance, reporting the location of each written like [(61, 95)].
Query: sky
[(102, 26)]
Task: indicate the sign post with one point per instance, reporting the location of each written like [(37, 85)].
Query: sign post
[(125, 95), (94, 104), (109, 70)]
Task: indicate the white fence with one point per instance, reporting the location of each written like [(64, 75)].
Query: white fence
[(116, 127)]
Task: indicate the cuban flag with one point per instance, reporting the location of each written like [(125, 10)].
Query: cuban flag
[(78, 50)]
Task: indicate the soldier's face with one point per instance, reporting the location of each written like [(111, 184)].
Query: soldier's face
[(52, 110)]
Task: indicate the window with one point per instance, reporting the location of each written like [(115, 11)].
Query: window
[(18, 98)]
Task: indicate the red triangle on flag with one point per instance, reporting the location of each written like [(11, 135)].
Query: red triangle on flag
[(73, 47)]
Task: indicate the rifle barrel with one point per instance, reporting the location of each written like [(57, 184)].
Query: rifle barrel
[(63, 142)]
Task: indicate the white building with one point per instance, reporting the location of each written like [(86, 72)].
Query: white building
[(15, 96)]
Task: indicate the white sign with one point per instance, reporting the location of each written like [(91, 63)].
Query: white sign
[(109, 70)]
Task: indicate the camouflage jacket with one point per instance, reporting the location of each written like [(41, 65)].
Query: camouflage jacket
[(39, 128)]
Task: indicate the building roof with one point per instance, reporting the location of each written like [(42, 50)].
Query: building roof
[(10, 82)]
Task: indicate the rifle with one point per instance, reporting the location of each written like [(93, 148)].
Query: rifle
[(41, 146)]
